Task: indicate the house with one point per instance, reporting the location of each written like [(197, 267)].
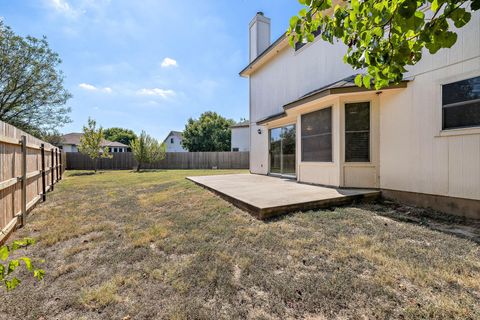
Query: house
[(417, 141), (240, 136), (173, 142), (71, 141)]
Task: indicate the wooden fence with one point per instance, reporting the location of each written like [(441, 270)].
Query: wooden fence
[(173, 160), (29, 168)]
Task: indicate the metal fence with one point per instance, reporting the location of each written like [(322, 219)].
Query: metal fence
[(173, 160), (29, 168)]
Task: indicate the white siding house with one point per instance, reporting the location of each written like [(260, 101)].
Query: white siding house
[(418, 141), (173, 142), (240, 136)]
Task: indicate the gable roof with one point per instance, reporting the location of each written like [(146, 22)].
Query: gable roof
[(346, 85), (74, 139), (177, 134)]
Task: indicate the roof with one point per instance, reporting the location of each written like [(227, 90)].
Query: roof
[(245, 72), (242, 124), (280, 44), (177, 134), (74, 139), (346, 85)]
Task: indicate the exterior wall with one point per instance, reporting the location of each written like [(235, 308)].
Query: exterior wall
[(410, 151), (241, 139), (284, 79), (416, 155), (258, 149), (175, 146)]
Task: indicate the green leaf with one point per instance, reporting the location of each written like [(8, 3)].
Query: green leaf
[(28, 263), (460, 17), (12, 284), (12, 265), (358, 80), (4, 253), (407, 8), (367, 81)]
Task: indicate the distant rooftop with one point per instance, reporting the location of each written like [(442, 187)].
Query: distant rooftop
[(74, 139), (242, 124)]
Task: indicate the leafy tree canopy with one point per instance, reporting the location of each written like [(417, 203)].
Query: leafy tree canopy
[(91, 142), (121, 135), (32, 96), (382, 36), (147, 150), (211, 132)]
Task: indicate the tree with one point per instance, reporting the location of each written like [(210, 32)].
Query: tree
[(32, 96), (211, 132), (121, 135), (7, 279), (147, 150), (91, 142), (382, 36)]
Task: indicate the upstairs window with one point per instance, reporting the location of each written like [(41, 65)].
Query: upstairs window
[(317, 136), (357, 132), (461, 104), (171, 140)]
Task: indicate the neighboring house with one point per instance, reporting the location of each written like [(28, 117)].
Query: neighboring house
[(71, 141), (241, 136), (418, 141), (173, 142)]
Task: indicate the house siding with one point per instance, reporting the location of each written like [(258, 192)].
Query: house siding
[(410, 151)]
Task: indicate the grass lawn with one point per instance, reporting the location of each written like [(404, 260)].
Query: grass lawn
[(152, 245)]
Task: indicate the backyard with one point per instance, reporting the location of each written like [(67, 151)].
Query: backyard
[(153, 245)]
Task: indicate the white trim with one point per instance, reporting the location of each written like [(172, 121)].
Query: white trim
[(438, 113)]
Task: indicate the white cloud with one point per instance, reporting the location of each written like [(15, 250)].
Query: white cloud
[(63, 7), (156, 92), (90, 87), (169, 62)]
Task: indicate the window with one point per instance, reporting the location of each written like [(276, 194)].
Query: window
[(317, 136), (235, 149), (461, 104), (301, 44), (357, 132), (171, 140)]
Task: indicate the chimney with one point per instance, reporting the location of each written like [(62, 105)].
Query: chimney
[(259, 35)]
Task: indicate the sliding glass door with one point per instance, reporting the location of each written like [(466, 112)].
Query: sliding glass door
[(282, 151)]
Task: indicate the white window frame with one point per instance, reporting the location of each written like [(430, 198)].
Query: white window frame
[(440, 132)]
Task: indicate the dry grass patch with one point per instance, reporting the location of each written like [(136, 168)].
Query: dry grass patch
[(156, 246)]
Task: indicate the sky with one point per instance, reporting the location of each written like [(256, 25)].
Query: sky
[(148, 64)]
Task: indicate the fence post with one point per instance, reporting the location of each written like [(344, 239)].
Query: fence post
[(57, 166), (52, 169), (44, 187), (24, 181), (61, 164)]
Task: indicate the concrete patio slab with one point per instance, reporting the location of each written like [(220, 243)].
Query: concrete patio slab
[(266, 196)]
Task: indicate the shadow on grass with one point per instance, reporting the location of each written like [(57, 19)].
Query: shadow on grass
[(149, 170), (89, 173)]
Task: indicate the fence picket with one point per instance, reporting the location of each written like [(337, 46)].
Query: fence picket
[(173, 160), (23, 176)]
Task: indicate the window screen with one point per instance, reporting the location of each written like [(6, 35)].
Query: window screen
[(357, 132), (461, 104), (317, 136)]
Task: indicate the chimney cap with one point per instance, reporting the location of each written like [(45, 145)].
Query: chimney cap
[(260, 13)]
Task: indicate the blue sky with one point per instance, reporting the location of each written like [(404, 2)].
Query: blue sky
[(148, 64)]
